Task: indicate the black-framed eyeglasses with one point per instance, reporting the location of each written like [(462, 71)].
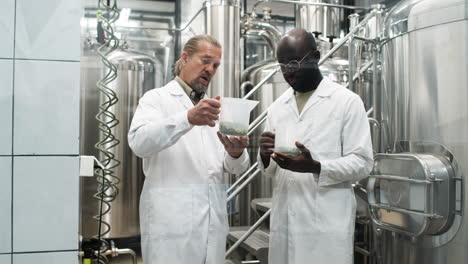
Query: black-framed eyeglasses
[(293, 65)]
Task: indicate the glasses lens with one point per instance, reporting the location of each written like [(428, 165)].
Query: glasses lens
[(293, 65), (283, 67)]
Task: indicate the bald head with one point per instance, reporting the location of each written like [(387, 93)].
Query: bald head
[(296, 42)]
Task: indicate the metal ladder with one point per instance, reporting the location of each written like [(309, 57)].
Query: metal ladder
[(241, 234)]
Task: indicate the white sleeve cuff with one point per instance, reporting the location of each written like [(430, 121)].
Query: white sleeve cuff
[(236, 165)]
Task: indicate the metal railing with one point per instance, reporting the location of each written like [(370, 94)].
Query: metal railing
[(262, 117), (248, 233)]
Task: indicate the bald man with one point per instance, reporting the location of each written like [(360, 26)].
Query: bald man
[(313, 206)]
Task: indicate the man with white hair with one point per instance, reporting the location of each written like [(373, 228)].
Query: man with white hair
[(183, 214)]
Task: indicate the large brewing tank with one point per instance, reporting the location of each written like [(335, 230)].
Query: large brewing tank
[(222, 21), (322, 19), (136, 74), (425, 71)]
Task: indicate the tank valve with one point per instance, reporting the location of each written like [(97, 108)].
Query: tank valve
[(266, 14)]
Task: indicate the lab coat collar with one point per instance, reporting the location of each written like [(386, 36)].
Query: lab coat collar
[(176, 90), (325, 89)]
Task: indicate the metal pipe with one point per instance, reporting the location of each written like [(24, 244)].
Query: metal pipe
[(405, 211), (261, 83), (242, 177), (254, 27), (376, 93), (362, 251), (353, 22), (323, 4), (168, 29), (257, 122), (115, 252), (376, 125), (244, 85), (361, 71), (245, 183), (248, 233), (345, 39)]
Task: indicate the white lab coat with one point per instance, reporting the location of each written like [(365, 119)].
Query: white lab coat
[(312, 219), (183, 214)]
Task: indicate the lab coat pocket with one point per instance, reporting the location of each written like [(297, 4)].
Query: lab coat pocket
[(172, 214), (336, 207)]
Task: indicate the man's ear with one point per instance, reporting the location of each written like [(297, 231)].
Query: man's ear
[(185, 57)]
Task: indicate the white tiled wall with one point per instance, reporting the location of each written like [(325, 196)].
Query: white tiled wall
[(39, 144), (46, 258), (7, 21), (6, 108), (45, 203), (48, 29), (5, 205), (5, 259), (47, 106)]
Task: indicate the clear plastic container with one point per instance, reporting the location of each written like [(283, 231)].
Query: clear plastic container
[(235, 115), (285, 141)]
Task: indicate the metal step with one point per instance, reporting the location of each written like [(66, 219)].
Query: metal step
[(257, 243), (261, 204)]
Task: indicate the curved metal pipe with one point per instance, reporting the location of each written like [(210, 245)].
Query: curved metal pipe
[(254, 27)]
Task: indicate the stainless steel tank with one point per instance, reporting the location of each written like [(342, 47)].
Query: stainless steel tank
[(323, 19), (136, 74), (424, 120), (222, 18)]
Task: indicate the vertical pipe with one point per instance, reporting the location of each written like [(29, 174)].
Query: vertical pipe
[(178, 34), (376, 89), (353, 22)]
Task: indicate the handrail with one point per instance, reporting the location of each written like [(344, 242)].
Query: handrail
[(261, 83), (248, 233), (349, 35), (245, 183), (361, 71), (241, 178)]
